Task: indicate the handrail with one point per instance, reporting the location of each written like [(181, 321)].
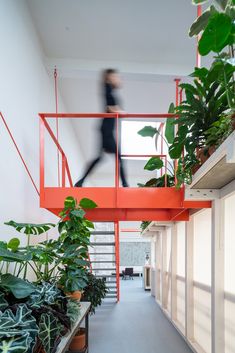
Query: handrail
[(65, 166), (19, 153), (106, 115)]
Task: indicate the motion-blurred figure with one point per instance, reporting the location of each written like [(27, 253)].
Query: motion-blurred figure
[(111, 82)]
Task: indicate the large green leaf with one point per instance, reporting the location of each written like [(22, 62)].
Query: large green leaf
[(153, 164), (11, 256), (17, 286), (15, 345), (148, 131), (170, 127), (49, 330), (18, 331), (13, 244), (215, 34), (87, 203), (70, 202), (78, 213), (201, 22), (30, 228)]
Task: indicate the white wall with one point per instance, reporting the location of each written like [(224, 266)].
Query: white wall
[(25, 90)]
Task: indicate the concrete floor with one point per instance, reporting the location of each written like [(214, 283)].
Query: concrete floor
[(135, 325)]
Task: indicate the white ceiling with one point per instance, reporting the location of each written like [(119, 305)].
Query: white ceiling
[(150, 33), (147, 40)]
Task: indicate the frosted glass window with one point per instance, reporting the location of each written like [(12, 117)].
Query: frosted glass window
[(133, 143), (229, 245), (229, 274), (181, 249), (202, 319), (202, 247)]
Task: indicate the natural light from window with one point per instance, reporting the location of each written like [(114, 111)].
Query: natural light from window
[(133, 143)]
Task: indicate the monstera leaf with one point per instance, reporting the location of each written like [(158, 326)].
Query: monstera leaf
[(49, 332), (11, 256), (17, 286), (30, 228), (18, 331)]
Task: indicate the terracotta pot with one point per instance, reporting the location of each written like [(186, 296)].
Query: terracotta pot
[(195, 168), (233, 121), (203, 155), (211, 150), (79, 341), (75, 295)]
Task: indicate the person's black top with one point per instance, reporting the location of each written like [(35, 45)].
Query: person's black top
[(110, 99)]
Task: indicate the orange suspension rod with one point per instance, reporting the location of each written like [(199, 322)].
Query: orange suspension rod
[(21, 157), (57, 123)]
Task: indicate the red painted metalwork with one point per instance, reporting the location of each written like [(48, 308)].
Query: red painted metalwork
[(198, 56), (117, 255), (114, 203), (19, 153), (57, 123)]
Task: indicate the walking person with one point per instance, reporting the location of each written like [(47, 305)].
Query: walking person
[(111, 82)]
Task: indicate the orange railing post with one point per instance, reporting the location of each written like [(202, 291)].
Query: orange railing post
[(42, 158)]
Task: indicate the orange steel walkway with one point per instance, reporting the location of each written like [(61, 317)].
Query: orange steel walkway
[(114, 203)]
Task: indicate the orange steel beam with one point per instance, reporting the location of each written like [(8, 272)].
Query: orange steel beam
[(129, 214)]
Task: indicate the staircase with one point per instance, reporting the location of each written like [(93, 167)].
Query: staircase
[(104, 257)]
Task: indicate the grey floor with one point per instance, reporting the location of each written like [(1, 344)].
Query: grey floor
[(135, 325)]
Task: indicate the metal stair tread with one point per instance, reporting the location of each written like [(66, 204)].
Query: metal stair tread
[(102, 253), (102, 244), (103, 269), (103, 262), (105, 232)]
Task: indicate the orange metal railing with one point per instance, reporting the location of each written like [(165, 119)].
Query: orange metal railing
[(44, 125)]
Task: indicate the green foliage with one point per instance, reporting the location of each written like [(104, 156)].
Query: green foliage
[(30, 228), (201, 22), (159, 182), (219, 131), (170, 126), (49, 331), (74, 240), (94, 291), (148, 131), (87, 203), (44, 294), (17, 286), (18, 331), (13, 244), (144, 225), (216, 34), (153, 164), (73, 310)]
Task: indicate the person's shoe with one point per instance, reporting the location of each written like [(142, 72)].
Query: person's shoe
[(78, 184), (125, 185)]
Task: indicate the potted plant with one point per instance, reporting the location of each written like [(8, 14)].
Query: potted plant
[(94, 292), (74, 240)]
